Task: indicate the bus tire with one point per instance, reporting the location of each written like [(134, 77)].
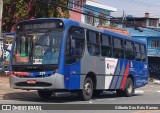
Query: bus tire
[(129, 87), (86, 93), (45, 94)]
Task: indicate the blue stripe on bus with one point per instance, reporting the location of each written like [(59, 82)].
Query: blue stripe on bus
[(121, 73), (125, 66), (113, 78)]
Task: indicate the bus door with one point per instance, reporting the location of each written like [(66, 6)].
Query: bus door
[(73, 54)]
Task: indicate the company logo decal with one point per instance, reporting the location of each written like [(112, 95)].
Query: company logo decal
[(109, 66)]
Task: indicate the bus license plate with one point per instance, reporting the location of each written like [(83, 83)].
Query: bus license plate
[(31, 81)]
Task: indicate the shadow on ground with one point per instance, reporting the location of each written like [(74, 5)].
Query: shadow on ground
[(62, 98)]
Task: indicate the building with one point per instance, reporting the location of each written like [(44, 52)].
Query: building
[(146, 29), (90, 7)]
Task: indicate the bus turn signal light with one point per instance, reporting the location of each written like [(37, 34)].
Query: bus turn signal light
[(11, 73)]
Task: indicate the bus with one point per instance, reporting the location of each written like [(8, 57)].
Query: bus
[(56, 54)]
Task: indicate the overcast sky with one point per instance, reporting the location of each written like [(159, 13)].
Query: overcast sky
[(134, 7)]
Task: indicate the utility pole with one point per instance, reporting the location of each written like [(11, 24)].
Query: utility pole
[(124, 20), (1, 11)]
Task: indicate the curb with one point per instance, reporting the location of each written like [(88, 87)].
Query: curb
[(156, 81)]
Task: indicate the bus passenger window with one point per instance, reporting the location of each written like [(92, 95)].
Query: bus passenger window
[(143, 53), (106, 49), (129, 50), (137, 52), (93, 43), (118, 45), (74, 45)]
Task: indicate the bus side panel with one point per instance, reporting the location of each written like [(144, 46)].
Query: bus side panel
[(93, 64), (72, 76), (142, 76), (138, 70), (123, 69)]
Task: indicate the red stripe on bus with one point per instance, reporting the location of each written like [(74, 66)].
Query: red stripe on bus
[(125, 77)]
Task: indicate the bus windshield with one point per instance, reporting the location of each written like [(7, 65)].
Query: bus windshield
[(37, 47)]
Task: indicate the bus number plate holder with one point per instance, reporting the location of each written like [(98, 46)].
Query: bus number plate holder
[(31, 81)]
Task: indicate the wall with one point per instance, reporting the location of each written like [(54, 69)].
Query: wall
[(96, 11), (74, 15), (147, 35)]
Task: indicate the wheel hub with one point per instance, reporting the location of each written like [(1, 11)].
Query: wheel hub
[(88, 88), (129, 87)]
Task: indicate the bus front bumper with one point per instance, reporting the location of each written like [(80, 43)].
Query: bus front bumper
[(52, 82)]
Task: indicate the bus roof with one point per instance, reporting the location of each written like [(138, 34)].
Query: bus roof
[(72, 22)]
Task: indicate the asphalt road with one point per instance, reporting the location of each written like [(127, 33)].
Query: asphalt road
[(31, 97)]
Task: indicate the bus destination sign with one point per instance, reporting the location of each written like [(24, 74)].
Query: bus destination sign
[(39, 26), (32, 25)]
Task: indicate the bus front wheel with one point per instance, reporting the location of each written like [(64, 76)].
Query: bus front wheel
[(86, 92), (45, 93)]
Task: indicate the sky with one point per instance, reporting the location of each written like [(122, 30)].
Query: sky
[(134, 7)]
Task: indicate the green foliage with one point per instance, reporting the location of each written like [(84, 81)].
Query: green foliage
[(20, 9), (17, 10)]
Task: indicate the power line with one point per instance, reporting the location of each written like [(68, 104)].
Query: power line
[(117, 22), (139, 11), (121, 11), (42, 1), (141, 3), (88, 8)]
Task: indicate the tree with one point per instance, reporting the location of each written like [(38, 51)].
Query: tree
[(8, 15), (17, 10)]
